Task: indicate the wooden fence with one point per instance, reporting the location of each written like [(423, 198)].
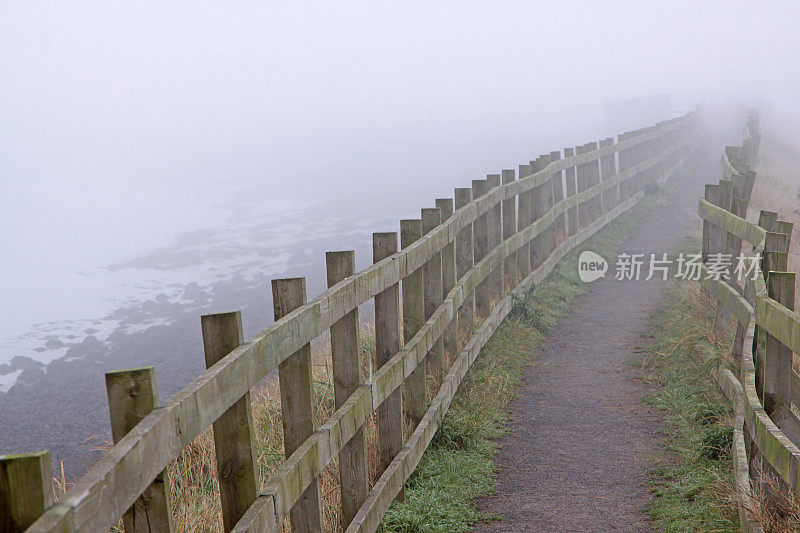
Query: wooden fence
[(766, 426), (450, 271)]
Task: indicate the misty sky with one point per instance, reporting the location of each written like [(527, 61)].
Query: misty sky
[(126, 123)]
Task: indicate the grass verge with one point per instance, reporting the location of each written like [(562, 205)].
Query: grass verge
[(457, 468), (695, 492)]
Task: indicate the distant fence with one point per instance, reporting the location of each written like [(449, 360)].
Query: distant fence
[(766, 427), (462, 260)]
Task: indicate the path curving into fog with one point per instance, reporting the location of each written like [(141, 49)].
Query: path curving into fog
[(581, 439)]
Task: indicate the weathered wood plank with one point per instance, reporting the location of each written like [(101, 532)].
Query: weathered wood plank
[(432, 292), (450, 336), (346, 362), (413, 319), (234, 436), (387, 344), (132, 395), (26, 489), (297, 399)]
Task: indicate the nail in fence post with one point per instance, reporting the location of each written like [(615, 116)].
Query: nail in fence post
[(387, 344), (560, 224), (450, 336), (234, 437), (413, 319), (510, 274), (570, 181), (132, 395), (346, 362), (778, 364), (481, 242), (523, 221), (432, 278), (464, 262), (495, 223), (297, 397), (26, 489)]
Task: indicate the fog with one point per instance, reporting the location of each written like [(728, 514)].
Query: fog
[(148, 145)]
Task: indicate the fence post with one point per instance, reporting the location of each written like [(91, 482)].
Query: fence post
[(464, 262), (539, 196), (26, 489), (234, 437), (722, 315), (413, 319), (571, 185), (547, 191), (711, 196), (387, 344), (297, 397), (523, 221), (766, 220), (450, 336), (593, 178), (607, 172), (481, 242), (723, 201), (432, 291), (509, 217), (621, 167), (782, 226), (778, 364), (132, 394), (560, 224), (495, 223), (346, 361), (580, 179)]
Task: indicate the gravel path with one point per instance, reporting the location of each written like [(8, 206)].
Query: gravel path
[(581, 441)]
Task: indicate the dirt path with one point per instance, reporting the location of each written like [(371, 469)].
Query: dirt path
[(581, 440)]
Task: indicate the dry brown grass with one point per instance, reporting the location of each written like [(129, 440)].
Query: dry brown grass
[(192, 475)]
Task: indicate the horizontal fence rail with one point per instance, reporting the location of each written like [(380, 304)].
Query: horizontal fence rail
[(455, 260)]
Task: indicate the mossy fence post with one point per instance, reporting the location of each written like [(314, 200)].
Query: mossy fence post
[(413, 319), (524, 201), (560, 223), (26, 489), (495, 223), (234, 436), (132, 395), (509, 208), (450, 335), (297, 396), (571, 186), (432, 277), (387, 344), (346, 361), (481, 244), (778, 360), (464, 261)]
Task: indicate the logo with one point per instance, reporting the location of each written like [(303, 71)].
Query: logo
[(591, 266)]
